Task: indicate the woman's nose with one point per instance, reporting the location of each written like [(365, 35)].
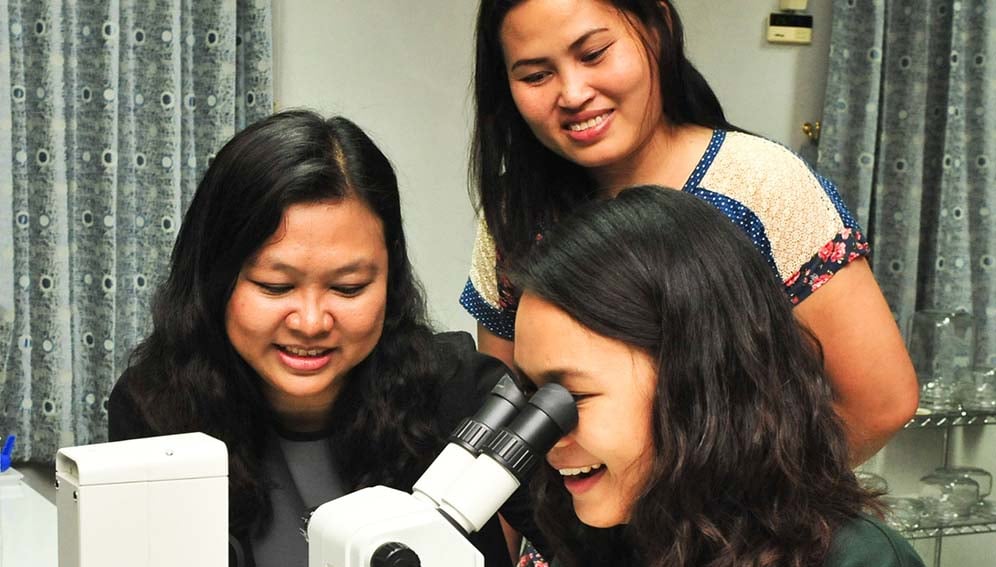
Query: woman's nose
[(311, 318), (563, 442), (575, 91)]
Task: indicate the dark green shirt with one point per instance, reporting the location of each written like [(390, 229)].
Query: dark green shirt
[(867, 542), (862, 542)]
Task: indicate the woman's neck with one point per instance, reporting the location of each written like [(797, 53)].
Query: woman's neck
[(307, 420), (301, 416), (667, 157)]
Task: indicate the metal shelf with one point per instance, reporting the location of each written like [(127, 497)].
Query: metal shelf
[(984, 520), (978, 524), (925, 419)]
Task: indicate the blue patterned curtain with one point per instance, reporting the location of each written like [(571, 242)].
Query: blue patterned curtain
[(909, 134), (109, 112)]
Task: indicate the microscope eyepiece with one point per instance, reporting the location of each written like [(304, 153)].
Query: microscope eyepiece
[(549, 415), (556, 402), (501, 405), (470, 436)]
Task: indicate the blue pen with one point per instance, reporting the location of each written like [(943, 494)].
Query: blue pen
[(7, 454)]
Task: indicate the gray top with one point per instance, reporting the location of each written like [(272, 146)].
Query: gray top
[(304, 476)]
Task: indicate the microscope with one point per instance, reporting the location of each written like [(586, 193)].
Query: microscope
[(163, 501), (486, 459)]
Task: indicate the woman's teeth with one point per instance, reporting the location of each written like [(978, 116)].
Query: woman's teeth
[(304, 351), (582, 470), (590, 123)]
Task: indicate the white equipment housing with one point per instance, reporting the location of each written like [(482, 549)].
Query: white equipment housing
[(347, 531), (153, 502)]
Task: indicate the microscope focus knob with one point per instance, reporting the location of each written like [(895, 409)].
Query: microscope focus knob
[(394, 554)]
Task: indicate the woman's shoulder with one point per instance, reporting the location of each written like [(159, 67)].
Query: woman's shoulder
[(131, 382), (772, 181), (483, 262), (458, 342), (140, 377), (466, 374), (486, 296), (867, 541), (765, 185), (748, 160), (462, 363), (125, 417)]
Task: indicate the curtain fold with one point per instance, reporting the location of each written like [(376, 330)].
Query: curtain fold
[(109, 113), (909, 134)]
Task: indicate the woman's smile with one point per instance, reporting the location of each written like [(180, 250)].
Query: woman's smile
[(304, 360), (589, 130), (579, 480)]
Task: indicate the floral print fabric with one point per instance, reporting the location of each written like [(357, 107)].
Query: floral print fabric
[(795, 218)]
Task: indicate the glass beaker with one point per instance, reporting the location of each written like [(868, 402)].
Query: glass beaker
[(979, 475), (871, 482), (940, 342), (977, 388), (947, 496), (903, 512)]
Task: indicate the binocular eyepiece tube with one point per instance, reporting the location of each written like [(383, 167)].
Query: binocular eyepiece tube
[(469, 438), (509, 457)]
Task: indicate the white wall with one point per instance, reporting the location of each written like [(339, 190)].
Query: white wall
[(402, 71), (766, 88)]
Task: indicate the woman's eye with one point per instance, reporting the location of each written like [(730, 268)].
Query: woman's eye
[(534, 78), (579, 397), (525, 384), (349, 290), (593, 56), (273, 289)]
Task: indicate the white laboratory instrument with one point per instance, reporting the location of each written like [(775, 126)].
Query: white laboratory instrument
[(383, 527), (154, 502)]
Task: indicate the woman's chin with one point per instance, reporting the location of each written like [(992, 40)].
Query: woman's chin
[(600, 518)]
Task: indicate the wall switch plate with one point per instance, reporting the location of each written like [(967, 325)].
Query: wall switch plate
[(790, 28)]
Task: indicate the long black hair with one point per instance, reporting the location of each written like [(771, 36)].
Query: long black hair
[(750, 463), (520, 184), (190, 378)]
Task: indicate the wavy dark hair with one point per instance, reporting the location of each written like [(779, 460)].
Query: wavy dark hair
[(517, 182), (750, 464), (190, 376)]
